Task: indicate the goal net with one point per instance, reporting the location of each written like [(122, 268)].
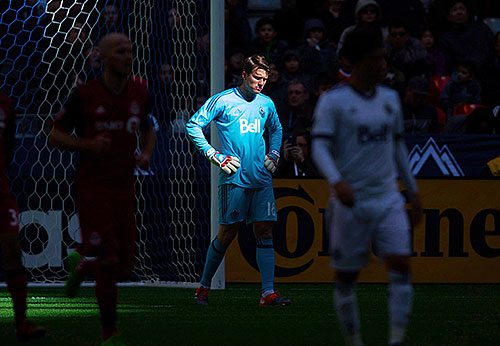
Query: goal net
[(47, 48)]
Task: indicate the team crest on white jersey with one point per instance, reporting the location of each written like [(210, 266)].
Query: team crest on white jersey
[(133, 124), (100, 110), (134, 108)]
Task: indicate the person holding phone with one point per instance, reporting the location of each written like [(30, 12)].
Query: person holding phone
[(297, 162)]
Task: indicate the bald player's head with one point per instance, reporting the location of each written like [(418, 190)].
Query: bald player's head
[(116, 53)]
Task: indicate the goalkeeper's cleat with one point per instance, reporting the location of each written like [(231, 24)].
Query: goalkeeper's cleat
[(229, 164), (28, 330), (271, 161), (72, 284), (274, 299), (201, 295), (115, 340)]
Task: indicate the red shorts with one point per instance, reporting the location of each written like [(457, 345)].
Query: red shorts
[(107, 223), (9, 215)]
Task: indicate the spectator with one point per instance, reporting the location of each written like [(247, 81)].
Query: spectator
[(412, 12), (297, 111), (236, 27), (317, 55), (419, 115), (275, 87), (490, 80), (462, 88), (406, 53), (266, 42), (367, 14), (234, 68), (289, 22), (332, 19), (465, 39), (292, 68), (434, 59), (297, 161)]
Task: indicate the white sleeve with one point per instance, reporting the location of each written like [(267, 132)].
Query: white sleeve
[(323, 136), (401, 153)]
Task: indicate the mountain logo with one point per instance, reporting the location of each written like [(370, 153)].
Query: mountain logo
[(442, 156)]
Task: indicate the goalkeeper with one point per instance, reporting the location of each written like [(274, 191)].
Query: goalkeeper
[(242, 115)]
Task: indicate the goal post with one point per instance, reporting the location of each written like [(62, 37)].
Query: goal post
[(47, 48)]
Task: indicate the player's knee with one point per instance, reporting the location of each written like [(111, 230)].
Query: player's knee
[(263, 230), (226, 234)]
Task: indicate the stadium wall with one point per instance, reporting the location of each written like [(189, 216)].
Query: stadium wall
[(457, 242)]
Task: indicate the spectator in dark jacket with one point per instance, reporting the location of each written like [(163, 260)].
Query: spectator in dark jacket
[(465, 39)]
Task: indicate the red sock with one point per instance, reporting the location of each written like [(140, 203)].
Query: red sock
[(16, 284), (107, 296)]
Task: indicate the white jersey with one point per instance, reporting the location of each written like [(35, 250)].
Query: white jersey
[(362, 131)]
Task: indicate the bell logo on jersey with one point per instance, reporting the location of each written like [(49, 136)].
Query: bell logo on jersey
[(245, 126)]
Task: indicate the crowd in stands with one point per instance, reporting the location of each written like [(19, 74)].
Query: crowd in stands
[(443, 59), (443, 56)]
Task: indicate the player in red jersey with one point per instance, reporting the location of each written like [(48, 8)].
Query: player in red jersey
[(106, 115), (15, 274)]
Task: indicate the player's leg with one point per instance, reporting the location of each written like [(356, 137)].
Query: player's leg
[(350, 238), (263, 231), (262, 214), (15, 273), (232, 211), (393, 243)]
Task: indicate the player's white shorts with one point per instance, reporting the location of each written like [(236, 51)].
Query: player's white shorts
[(380, 224)]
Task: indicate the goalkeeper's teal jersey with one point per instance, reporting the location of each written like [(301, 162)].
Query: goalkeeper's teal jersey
[(241, 125)]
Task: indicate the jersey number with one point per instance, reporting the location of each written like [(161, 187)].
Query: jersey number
[(14, 218), (271, 209)]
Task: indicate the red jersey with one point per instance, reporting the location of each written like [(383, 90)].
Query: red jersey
[(92, 110), (7, 133)]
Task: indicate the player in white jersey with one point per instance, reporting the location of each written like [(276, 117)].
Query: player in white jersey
[(242, 116), (357, 146)]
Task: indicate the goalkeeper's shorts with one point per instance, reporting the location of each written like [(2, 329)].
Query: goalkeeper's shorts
[(237, 204)]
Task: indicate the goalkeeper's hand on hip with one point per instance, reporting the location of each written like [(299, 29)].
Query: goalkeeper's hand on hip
[(229, 164), (271, 160)]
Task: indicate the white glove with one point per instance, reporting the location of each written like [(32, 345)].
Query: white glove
[(229, 164), (271, 160)]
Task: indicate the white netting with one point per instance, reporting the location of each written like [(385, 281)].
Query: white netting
[(47, 47)]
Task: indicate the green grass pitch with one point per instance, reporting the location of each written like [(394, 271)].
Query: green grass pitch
[(443, 315)]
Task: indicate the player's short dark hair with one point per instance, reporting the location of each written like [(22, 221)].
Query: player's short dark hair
[(256, 61), (360, 42)]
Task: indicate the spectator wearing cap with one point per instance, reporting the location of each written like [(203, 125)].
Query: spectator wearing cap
[(317, 55), (368, 15), (420, 116)]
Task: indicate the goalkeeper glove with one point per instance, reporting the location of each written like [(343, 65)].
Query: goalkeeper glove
[(271, 160), (229, 164)]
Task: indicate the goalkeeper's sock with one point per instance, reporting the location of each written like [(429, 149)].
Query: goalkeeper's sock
[(215, 254), (400, 305), (106, 293), (265, 262), (347, 310), (17, 286)]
